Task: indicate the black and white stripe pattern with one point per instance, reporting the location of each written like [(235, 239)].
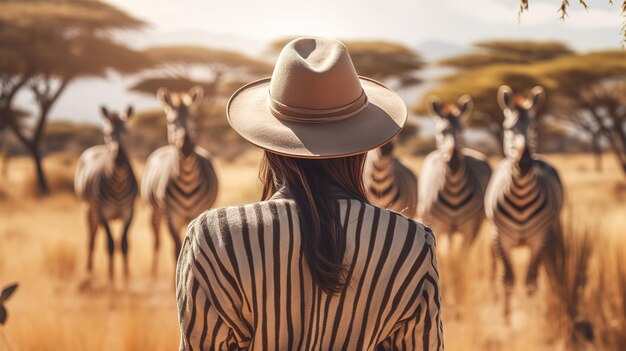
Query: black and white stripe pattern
[(105, 181), (453, 201), (389, 183), (179, 181), (453, 179), (525, 195), (243, 283)]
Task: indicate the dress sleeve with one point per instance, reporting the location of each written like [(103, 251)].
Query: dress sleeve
[(201, 327), (423, 330)]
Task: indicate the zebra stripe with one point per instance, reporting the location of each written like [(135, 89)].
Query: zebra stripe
[(453, 201), (525, 195), (390, 184), (105, 181), (243, 283), (524, 205), (179, 188), (179, 181)]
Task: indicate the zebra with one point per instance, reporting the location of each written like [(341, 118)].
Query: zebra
[(453, 179), (525, 196), (179, 181), (389, 183), (105, 181)]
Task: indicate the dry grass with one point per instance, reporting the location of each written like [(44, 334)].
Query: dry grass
[(43, 244), (60, 259)]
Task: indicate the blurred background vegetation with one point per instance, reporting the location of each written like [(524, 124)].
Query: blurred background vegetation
[(45, 46), (50, 50)]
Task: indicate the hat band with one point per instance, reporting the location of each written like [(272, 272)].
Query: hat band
[(305, 115)]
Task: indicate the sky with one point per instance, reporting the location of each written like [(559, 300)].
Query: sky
[(249, 25), (409, 21)]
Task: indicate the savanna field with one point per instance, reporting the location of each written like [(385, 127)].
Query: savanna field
[(58, 307)]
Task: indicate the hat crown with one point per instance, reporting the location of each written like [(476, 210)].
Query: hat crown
[(315, 73)]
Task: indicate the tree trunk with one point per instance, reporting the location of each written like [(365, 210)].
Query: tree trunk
[(618, 149), (5, 165), (45, 105), (597, 152), (42, 182)]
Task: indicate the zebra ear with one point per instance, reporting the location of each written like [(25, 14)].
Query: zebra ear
[(105, 112), (433, 105), (505, 97), (164, 96), (197, 94), (466, 105), (129, 112), (538, 97)]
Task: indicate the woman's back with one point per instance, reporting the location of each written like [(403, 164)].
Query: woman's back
[(243, 282)]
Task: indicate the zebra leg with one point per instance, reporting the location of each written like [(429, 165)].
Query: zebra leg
[(110, 245), (156, 230), (174, 232), (508, 278), (127, 223), (474, 231), (536, 257), (494, 256), (470, 231), (92, 223)]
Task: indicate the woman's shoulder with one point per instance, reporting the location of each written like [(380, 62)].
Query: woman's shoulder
[(227, 221), (389, 220), (222, 225)]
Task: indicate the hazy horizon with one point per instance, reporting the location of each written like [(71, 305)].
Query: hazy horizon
[(438, 28)]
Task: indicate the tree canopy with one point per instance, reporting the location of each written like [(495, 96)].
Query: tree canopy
[(392, 63), (179, 68), (584, 92), (45, 45), (508, 52), (491, 64)]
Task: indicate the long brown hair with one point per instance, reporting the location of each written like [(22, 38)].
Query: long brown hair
[(311, 183)]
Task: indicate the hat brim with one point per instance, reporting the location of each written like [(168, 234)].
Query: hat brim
[(250, 116)]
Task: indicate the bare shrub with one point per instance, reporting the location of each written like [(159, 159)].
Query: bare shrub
[(607, 298), (568, 267)]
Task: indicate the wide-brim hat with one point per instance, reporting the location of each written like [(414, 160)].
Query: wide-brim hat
[(315, 105)]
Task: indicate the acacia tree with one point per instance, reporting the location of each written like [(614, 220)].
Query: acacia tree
[(492, 63), (218, 72), (585, 91), (590, 95), (49, 44)]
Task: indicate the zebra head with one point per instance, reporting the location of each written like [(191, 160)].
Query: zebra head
[(449, 128), (114, 129), (178, 110), (519, 125)]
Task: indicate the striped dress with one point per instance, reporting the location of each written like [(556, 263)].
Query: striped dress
[(243, 283)]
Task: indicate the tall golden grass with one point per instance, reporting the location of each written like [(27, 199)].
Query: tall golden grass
[(58, 307)]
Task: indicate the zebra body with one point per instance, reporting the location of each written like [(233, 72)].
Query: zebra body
[(524, 207), (525, 195), (389, 183), (178, 187), (453, 179), (453, 201), (105, 181), (179, 181)]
